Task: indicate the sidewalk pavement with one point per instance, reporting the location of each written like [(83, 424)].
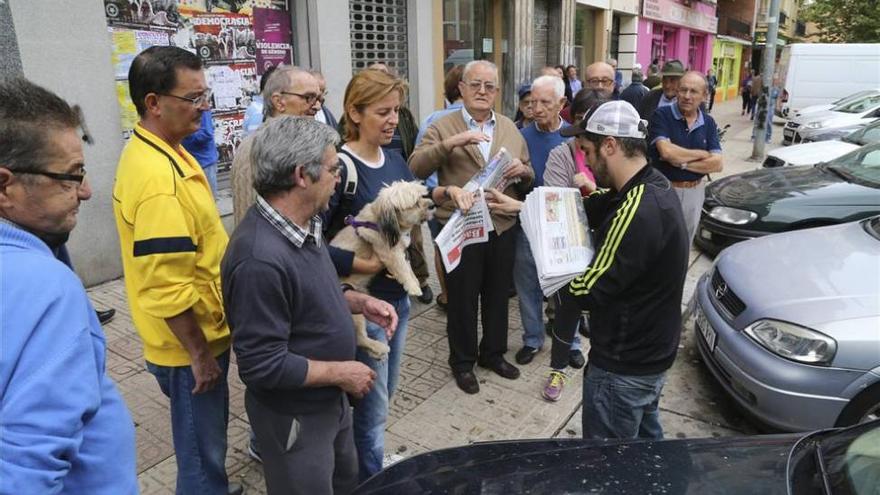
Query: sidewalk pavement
[(429, 411)]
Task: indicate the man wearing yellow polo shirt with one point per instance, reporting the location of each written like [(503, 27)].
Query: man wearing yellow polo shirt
[(172, 242)]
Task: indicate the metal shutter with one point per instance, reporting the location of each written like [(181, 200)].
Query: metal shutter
[(378, 34)]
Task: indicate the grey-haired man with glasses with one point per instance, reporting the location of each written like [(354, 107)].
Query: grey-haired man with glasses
[(291, 91)]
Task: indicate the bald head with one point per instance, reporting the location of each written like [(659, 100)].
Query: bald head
[(600, 78), (695, 79), (289, 90)]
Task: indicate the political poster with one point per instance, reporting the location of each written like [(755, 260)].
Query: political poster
[(272, 30), (223, 37)]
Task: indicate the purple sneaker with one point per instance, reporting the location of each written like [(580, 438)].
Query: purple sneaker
[(555, 383)]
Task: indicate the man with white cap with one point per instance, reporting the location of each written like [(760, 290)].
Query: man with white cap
[(633, 286)]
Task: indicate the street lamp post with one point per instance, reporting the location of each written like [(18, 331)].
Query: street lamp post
[(767, 68)]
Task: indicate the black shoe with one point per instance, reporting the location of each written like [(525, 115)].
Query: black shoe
[(576, 359), (525, 355), (105, 316), (442, 304), (466, 381), (502, 368), (235, 489), (427, 295)]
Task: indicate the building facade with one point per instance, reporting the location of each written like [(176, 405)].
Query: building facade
[(731, 52), (683, 30)]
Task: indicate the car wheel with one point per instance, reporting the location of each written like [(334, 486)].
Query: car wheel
[(112, 10), (863, 408)]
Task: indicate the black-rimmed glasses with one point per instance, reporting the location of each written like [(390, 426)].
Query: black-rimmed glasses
[(78, 178), (197, 101), (309, 98)]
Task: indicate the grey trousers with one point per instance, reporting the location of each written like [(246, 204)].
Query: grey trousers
[(691, 205), (309, 454)]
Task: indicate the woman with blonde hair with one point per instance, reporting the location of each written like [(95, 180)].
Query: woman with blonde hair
[(371, 108)]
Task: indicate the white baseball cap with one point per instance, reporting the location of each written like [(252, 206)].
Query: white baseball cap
[(614, 118)]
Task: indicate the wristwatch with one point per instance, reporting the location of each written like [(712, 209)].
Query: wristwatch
[(684, 166)]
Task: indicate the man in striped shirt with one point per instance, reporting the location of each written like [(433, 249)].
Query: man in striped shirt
[(633, 286)]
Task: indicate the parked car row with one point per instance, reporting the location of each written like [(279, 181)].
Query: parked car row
[(811, 153), (833, 123)]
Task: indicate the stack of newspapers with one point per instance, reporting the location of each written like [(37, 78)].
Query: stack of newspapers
[(555, 223)]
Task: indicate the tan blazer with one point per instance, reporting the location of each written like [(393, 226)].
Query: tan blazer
[(456, 167), (243, 193)]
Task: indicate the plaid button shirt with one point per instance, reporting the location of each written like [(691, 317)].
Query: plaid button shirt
[(290, 230)]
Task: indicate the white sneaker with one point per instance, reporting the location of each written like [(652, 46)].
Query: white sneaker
[(390, 459)]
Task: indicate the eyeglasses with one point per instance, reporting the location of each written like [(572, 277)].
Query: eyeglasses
[(323, 96), (197, 101), (309, 98), (78, 178), (475, 86), (595, 81)]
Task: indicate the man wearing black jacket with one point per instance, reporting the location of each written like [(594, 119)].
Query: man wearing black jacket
[(633, 286)]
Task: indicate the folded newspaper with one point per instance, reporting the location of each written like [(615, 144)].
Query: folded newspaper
[(555, 223), (462, 230)]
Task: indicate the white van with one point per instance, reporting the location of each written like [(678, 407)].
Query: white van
[(820, 73)]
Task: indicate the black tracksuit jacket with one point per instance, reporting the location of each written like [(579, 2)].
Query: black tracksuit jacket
[(633, 286)]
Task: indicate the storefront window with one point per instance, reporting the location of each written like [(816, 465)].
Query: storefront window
[(477, 30), (615, 37)]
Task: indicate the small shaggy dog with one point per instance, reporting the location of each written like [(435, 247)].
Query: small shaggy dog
[(383, 227)]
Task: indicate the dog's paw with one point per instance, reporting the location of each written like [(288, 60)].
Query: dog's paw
[(377, 350)]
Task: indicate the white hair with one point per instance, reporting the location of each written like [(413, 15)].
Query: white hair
[(473, 64), (553, 82)]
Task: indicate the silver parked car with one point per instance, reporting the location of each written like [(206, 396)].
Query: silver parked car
[(849, 116), (789, 325)]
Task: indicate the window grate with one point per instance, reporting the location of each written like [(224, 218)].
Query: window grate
[(379, 34)]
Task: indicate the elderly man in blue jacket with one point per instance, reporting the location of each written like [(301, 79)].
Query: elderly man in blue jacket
[(63, 425)]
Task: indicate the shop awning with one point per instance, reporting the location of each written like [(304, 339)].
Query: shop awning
[(731, 39)]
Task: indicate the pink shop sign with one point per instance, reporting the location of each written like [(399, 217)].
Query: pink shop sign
[(676, 13)]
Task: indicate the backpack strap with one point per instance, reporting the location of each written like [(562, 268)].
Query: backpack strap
[(351, 175), (343, 209)]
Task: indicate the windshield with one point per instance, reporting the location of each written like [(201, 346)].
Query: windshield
[(854, 97), (846, 461), (862, 164), (872, 226), (860, 105), (868, 135)]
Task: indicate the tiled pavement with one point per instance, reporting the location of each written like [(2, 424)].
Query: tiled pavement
[(429, 412)]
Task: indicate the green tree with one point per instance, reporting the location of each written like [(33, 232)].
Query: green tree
[(845, 21)]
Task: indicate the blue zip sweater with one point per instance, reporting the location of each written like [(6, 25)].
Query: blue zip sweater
[(64, 428)]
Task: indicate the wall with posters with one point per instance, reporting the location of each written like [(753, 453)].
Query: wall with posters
[(76, 65), (237, 39)]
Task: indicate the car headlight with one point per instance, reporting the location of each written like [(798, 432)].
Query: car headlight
[(793, 341), (733, 216), (814, 125)]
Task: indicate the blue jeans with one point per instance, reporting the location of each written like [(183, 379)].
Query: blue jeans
[(621, 406), (198, 425), (531, 298), (211, 174), (371, 412)]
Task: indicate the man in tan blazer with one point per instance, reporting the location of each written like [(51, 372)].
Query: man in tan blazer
[(457, 146)]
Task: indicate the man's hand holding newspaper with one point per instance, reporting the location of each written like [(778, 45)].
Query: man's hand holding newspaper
[(472, 222)]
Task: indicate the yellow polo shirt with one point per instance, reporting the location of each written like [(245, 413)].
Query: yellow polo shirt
[(172, 242)]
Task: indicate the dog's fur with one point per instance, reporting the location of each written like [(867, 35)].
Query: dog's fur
[(397, 209)]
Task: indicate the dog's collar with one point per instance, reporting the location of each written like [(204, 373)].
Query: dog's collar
[(350, 220)]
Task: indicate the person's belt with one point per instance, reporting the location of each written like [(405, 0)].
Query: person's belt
[(685, 184)]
